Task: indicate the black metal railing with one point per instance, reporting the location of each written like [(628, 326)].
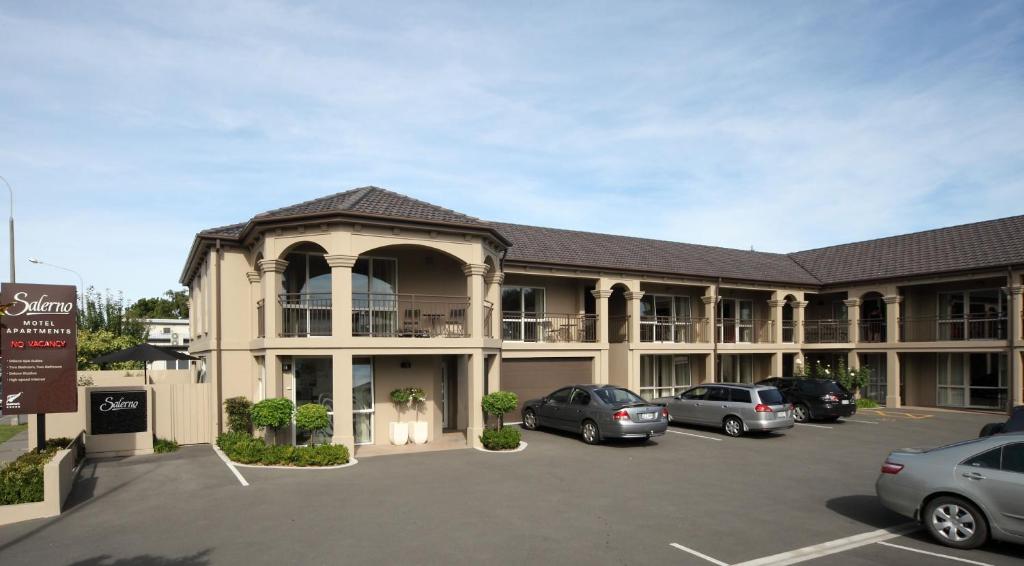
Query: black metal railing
[(548, 327), (410, 316), (872, 330), (826, 331), (618, 329), (744, 331), (680, 330), (305, 314), (261, 320), (788, 331), (936, 329)]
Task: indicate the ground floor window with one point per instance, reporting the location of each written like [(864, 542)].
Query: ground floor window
[(313, 383), (975, 380), (663, 376), (362, 400), (736, 368), (878, 385)]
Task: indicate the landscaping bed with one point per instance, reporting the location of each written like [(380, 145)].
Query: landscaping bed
[(245, 449), (21, 481)]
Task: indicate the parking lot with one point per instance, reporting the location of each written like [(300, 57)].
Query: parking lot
[(693, 496)]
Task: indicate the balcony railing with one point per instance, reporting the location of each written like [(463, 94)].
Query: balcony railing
[(935, 329), (548, 327), (872, 330), (261, 319), (744, 331), (788, 331), (826, 331), (305, 314), (409, 316), (618, 329), (673, 329)]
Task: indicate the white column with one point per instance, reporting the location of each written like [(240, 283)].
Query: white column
[(341, 368), (709, 368), (633, 309), (892, 318), (272, 271), (341, 294), (892, 377), (853, 315), (475, 286), (776, 307), (475, 394)]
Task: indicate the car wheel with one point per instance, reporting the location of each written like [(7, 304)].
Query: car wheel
[(530, 419), (955, 522), (590, 433), (801, 413), (990, 429), (733, 426)]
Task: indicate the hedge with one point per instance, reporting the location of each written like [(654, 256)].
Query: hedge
[(21, 481), (507, 438), (245, 449)]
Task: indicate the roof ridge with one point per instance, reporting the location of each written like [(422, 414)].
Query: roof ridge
[(430, 204)]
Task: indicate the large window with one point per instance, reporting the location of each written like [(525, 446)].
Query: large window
[(665, 318), (374, 300), (978, 314), (735, 320), (362, 400), (972, 380), (663, 376), (736, 368), (522, 313)]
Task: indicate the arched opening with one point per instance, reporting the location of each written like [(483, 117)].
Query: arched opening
[(788, 320), (618, 314), (872, 318), (409, 291), (305, 292)]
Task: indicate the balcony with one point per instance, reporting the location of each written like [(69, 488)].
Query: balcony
[(826, 331), (551, 328), (788, 331), (305, 314), (744, 331), (935, 329), (677, 330), (389, 315), (872, 331)]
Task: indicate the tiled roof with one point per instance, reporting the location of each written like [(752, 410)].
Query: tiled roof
[(374, 201), (981, 245), (229, 231), (534, 244)]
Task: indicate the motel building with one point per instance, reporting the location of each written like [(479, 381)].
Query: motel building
[(342, 299)]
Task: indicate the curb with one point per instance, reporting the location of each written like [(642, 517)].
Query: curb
[(522, 446)]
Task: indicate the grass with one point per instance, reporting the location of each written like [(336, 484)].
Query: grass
[(7, 432), (164, 446), (865, 403)]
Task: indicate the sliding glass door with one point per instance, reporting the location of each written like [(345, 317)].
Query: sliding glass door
[(522, 314), (374, 296), (736, 321), (975, 380), (362, 400)]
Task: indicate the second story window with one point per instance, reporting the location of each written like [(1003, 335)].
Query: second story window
[(522, 311), (375, 297), (664, 318)]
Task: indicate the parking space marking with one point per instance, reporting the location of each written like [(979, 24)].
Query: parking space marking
[(902, 415), (832, 547), (814, 425), (230, 466), (698, 554), (858, 421), (695, 435), (936, 554)]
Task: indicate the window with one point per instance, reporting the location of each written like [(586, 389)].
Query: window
[(989, 459), (771, 396), (663, 376), (362, 400), (977, 314), (665, 318), (735, 320), (972, 380), (374, 296), (1013, 458), (580, 397), (736, 368), (739, 396), (561, 396), (522, 313), (617, 395), (696, 394), (717, 394)]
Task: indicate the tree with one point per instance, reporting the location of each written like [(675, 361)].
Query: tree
[(498, 404), (275, 413), (312, 417), (173, 304), (104, 326)]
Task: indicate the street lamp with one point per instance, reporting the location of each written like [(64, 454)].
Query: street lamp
[(38, 261), (11, 225)]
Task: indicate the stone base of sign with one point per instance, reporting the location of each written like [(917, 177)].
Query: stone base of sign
[(58, 477)]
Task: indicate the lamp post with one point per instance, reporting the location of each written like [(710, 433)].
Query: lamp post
[(81, 281)]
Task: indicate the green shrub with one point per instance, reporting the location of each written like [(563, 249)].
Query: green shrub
[(272, 413), (865, 403), (228, 440), (249, 451), (239, 410), (498, 404), (59, 443), (21, 481), (313, 418), (277, 455), (245, 449), (321, 455), (506, 438), (164, 446)]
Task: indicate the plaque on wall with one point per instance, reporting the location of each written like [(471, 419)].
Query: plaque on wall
[(118, 412)]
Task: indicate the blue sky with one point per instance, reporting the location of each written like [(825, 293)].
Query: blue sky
[(127, 127)]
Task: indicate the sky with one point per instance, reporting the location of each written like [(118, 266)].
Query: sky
[(125, 128)]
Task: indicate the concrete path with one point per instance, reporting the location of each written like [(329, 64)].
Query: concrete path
[(16, 446)]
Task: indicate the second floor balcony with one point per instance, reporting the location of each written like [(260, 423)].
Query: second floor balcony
[(827, 331), (939, 329), (744, 331), (548, 327), (679, 330), (374, 314)]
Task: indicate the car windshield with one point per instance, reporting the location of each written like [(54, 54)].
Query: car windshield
[(770, 396), (618, 396)]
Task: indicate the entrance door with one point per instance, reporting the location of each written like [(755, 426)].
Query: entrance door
[(362, 400), (312, 382)]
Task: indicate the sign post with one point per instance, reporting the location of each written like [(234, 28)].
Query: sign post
[(40, 362)]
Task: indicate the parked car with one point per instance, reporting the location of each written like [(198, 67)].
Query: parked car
[(597, 412), (1013, 424), (737, 408), (814, 399), (963, 493)]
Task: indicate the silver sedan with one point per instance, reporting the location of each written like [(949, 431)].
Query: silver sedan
[(964, 493)]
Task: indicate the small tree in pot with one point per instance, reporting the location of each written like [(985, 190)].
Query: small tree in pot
[(273, 414), (398, 431), (419, 430), (313, 418), (499, 404)]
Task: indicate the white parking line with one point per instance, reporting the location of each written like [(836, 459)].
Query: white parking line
[(696, 435), (814, 425), (698, 554), (856, 421), (230, 466), (936, 554), (832, 547), (513, 422)]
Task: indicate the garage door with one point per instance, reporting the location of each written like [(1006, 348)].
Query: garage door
[(530, 378)]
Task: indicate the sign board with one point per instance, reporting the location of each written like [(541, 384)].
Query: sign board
[(118, 412), (39, 344)]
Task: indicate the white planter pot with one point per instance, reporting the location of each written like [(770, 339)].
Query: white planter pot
[(398, 433), (419, 432)]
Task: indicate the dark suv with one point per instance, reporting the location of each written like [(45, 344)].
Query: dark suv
[(812, 398)]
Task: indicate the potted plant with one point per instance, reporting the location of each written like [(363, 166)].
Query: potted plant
[(419, 430), (398, 431)]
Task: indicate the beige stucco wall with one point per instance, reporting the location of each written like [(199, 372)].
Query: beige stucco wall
[(919, 378), (563, 295), (425, 373)]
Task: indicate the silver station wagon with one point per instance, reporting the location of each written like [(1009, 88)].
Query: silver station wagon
[(735, 407)]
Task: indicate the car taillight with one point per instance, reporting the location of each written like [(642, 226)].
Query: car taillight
[(891, 468), (762, 408), (620, 415), (664, 412), (829, 397)]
